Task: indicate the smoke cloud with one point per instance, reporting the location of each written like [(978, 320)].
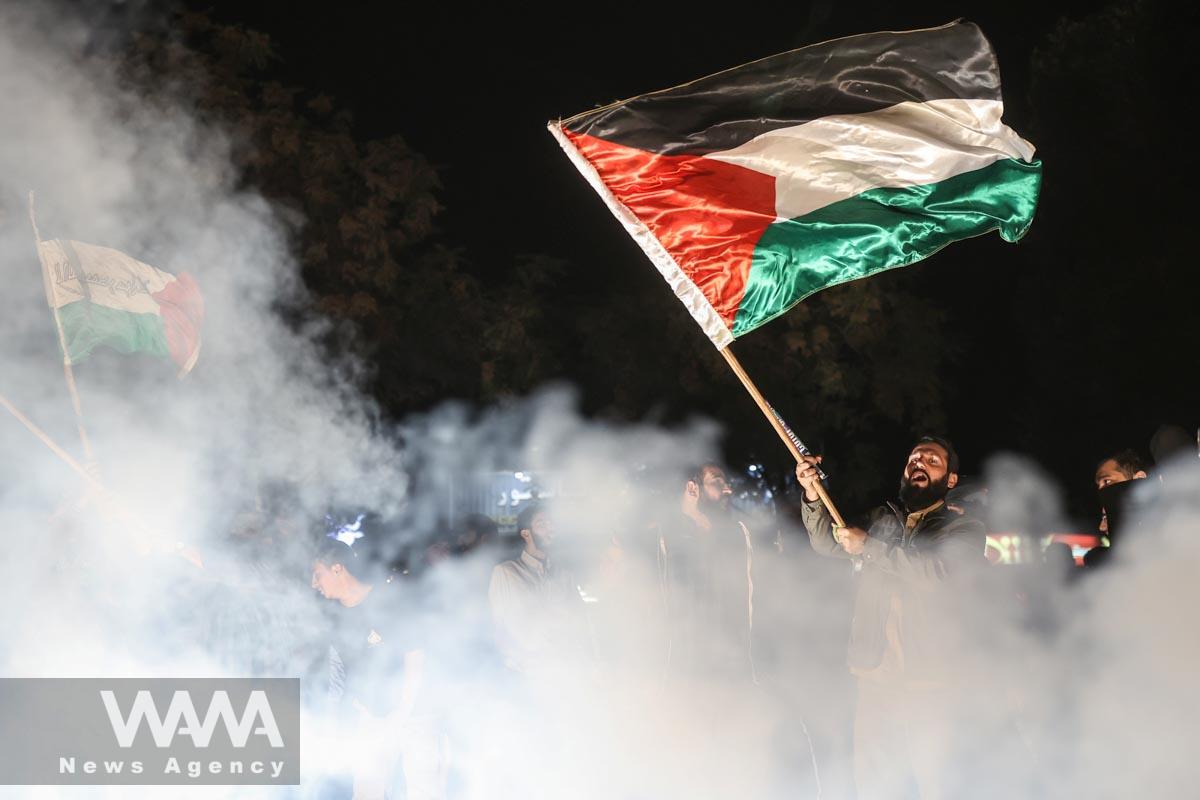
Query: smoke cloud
[(1088, 683)]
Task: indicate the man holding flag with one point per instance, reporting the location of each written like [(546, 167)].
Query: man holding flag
[(911, 562), (754, 188)]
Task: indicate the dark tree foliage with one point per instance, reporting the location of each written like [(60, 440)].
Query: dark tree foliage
[(1103, 315), (848, 367), (855, 370), (363, 212)]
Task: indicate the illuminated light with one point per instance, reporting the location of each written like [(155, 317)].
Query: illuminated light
[(348, 533)]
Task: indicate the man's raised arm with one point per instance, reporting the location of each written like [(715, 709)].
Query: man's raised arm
[(817, 520)]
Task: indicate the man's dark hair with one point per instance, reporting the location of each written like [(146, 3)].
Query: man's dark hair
[(696, 473), (526, 515), (1170, 441), (481, 525), (331, 551), (944, 443), (279, 496), (1128, 461)]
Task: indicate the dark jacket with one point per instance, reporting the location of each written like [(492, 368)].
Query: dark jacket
[(709, 591), (925, 569)]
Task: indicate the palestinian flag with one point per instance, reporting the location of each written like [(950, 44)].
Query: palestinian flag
[(754, 188), (103, 297)]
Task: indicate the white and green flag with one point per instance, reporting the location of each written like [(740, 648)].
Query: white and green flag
[(104, 297)]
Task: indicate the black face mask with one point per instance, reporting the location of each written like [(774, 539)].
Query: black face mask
[(916, 498)]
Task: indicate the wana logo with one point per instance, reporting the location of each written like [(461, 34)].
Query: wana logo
[(220, 709)]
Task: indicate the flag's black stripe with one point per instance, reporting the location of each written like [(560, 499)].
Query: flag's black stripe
[(845, 76)]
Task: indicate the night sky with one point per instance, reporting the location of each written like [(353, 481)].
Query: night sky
[(1063, 351)]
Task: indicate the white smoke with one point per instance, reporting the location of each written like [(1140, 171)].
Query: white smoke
[(1094, 678)]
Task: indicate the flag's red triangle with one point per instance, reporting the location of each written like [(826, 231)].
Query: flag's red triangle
[(707, 214)]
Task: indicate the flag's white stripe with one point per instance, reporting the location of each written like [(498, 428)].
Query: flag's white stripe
[(908, 144), (688, 293), (113, 278)]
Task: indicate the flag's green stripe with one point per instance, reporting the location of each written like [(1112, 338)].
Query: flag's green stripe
[(86, 326), (881, 229)]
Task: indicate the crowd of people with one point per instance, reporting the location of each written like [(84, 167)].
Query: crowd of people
[(685, 598)]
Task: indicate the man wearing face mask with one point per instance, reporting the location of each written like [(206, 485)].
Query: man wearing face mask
[(911, 557)]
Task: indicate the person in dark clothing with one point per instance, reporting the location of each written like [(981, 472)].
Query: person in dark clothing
[(378, 677), (1172, 442), (905, 650), (707, 563), (1120, 467), (1128, 500)]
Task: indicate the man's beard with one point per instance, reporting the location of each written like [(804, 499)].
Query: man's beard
[(916, 498), (544, 543), (714, 509)]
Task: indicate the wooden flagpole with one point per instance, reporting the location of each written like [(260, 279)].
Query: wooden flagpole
[(114, 505), (62, 340), (779, 427), (66, 457)]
